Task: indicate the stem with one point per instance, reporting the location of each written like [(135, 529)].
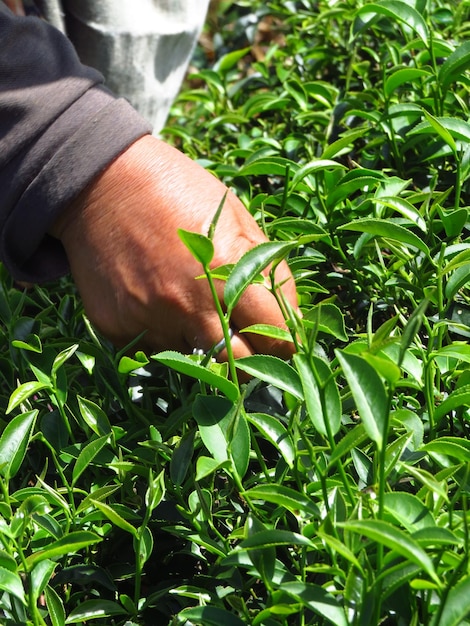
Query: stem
[(224, 321)]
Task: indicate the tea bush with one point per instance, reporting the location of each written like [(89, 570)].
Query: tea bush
[(333, 489)]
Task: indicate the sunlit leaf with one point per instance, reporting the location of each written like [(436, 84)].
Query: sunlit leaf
[(286, 497), (94, 609), (321, 393), (185, 365), (274, 431), (14, 443), (396, 540), (387, 230), (250, 265), (55, 606), (200, 246), (369, 394), (272, 370), (86, 456)]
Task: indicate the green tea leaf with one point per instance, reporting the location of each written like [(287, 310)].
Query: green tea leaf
[(321, 394), (229, 60), (387, 230), (456, 607), (328, 318), (11, 583), (458, 398), (127, 364), (409, 510), (267, 330), (62, 357), (405, 208), (402, 76), (115, 517), (181, 458), (223, 430), (400, 11), (267, 538), (272, 370), (143, 545), (94, 416), (272, 166), (275, 432), (23, 392), (339, 146), (69, 544), (369, 394), (55, 606), (40, 576), (209, 616), (249, 266), (86, 456), (441, 130), (449, 446), (317, 600), (94, 609), (187, 366), (14, 442), (455, 65), (396, 540), (206, 465), (200, 246), (286, 497)]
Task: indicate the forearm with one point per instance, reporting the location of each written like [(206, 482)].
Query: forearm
[(59, 128)]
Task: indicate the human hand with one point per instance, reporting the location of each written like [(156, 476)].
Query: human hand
[(16, 6), (132, 270)]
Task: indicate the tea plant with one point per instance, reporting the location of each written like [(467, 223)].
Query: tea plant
[(158, 489)]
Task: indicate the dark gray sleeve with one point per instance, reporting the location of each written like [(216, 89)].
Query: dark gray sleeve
[(59, 128)]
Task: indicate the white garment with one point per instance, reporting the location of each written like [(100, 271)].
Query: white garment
[(142, 47)]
